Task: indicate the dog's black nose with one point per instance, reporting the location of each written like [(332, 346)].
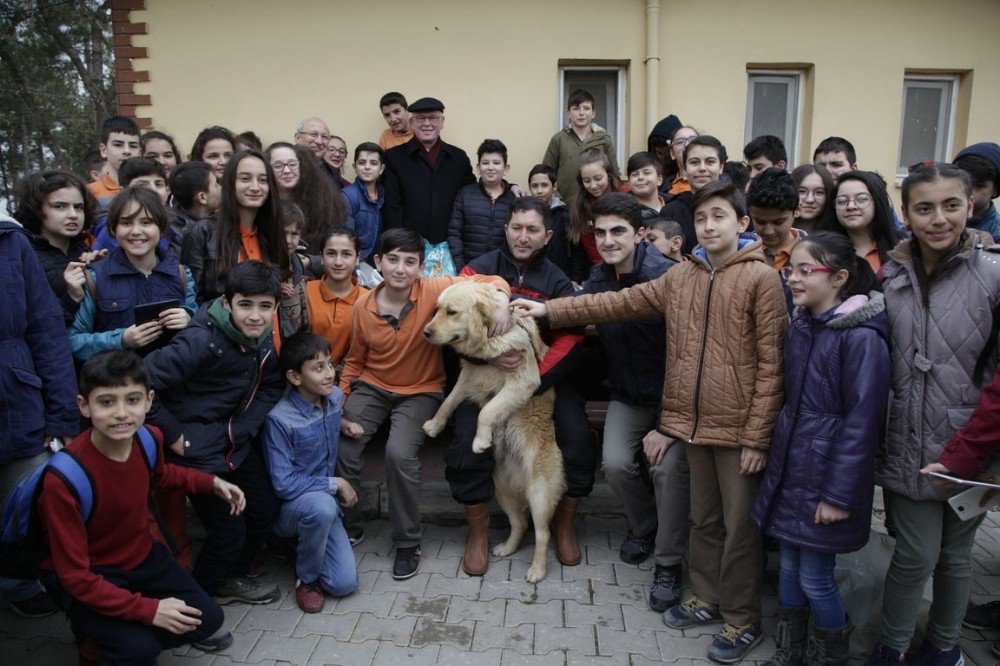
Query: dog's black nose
[(427, 333)]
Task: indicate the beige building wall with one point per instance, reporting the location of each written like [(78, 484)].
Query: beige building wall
[(264, 65)]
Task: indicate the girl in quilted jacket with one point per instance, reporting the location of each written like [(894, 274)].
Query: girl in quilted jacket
[(816, 496), (940, 287)]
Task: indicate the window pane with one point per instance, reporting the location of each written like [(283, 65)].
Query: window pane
[(603, 85), (922, 121), (770, 109)]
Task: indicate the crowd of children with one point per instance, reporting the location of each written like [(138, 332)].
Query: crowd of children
[(777, 344)]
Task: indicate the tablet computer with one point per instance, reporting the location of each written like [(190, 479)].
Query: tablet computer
[(148, 312)]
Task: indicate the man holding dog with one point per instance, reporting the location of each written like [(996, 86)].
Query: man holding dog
[(523, 265)]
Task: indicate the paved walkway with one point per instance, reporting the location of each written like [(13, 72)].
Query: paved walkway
[(591, 613)]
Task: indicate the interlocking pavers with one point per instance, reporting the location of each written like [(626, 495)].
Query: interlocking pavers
[(549, 614), (396, 630)]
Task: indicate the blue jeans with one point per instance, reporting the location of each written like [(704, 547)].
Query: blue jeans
[(324, 552), (806, 580)]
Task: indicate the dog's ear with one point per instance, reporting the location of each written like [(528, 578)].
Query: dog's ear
[(486, 307)]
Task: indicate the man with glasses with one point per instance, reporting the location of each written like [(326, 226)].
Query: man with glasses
[(423, 176), (314, 134)]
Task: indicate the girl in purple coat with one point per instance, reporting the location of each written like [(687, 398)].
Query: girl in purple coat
[(816, 496)]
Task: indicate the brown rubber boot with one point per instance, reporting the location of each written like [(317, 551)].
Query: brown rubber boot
[(563, 531), (477, 551)]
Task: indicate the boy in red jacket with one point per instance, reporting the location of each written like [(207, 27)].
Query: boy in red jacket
[(117, 585)]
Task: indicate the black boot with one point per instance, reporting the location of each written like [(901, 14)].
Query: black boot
[(793, 628), (830, 647)]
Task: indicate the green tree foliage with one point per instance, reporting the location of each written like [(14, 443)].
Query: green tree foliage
[(56, 84)]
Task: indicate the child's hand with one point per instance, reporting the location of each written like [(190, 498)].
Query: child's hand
[(348, 496), (532, 308), (752, 461), (351, 429), (231, 494), (90, 257), (176, 616), (140, 336), (75, 278), (828, 513), (655, 445), (287, 289), (175, 318)]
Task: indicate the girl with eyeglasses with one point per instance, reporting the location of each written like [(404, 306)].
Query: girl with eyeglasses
[(674, 173), (301, 181), (815, 195), (862, 211), (818, 486), (335, 156)]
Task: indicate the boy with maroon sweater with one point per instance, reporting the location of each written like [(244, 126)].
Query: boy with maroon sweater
[(119, 587)]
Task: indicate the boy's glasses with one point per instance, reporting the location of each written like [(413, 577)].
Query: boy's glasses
[(291, 165), (862, 201), (802, 272)]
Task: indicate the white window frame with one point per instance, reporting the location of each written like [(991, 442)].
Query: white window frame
[(949, 84), (619, 137), (794, 107)]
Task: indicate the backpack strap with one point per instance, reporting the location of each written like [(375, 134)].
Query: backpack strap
[(149, 448), (91, 283), (150, 454), (69, 468)]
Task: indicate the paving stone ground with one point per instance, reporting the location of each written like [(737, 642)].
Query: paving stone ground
[(589, 614)]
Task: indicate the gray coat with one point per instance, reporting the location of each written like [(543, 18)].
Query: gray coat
[(934, 349)]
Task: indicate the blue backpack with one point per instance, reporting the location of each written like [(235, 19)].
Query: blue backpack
[(22, 546)]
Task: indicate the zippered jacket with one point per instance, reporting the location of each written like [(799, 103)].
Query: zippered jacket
[(725, 329), (939, 326), (214, 386)]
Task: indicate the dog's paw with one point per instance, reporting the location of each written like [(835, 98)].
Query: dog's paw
[(503, 549), (481, 445), (433, 427), (535, 574)]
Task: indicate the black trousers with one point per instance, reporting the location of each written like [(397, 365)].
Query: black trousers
[(470, 475), (126, 642), (232, 541)]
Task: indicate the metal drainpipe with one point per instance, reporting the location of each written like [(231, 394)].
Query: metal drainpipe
[(652, 63)]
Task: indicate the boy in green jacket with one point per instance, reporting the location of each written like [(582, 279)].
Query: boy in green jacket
[(566, 145)]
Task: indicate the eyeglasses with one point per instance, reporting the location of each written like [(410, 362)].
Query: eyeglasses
[(862, 201), (802, 272), (338, 151), (433, 119), (317, 135), (291, 165), (818, 193), (682, 140)]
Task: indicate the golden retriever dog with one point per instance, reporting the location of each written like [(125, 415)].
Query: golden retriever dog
[(529, 468)]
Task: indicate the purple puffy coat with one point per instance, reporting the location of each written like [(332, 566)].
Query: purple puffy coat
[(824, 443)]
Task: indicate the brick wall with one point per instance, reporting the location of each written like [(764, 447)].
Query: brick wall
[(129, 60)]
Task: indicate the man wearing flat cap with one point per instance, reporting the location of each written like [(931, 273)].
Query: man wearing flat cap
[(423, 175)]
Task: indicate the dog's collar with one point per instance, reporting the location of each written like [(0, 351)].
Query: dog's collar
[(473, 360)]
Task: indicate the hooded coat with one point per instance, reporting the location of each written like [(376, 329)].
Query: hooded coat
[(829, 430), (939, 327)]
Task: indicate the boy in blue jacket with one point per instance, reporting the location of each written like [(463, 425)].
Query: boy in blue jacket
[(215, 382), (365, 197), (301, 439)]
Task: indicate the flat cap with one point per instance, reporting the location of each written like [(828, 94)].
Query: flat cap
[(425, 104)]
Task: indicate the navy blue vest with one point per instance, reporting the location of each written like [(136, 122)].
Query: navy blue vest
[(121, 287)]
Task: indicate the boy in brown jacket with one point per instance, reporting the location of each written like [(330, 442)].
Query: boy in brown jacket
[(725, 316)]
